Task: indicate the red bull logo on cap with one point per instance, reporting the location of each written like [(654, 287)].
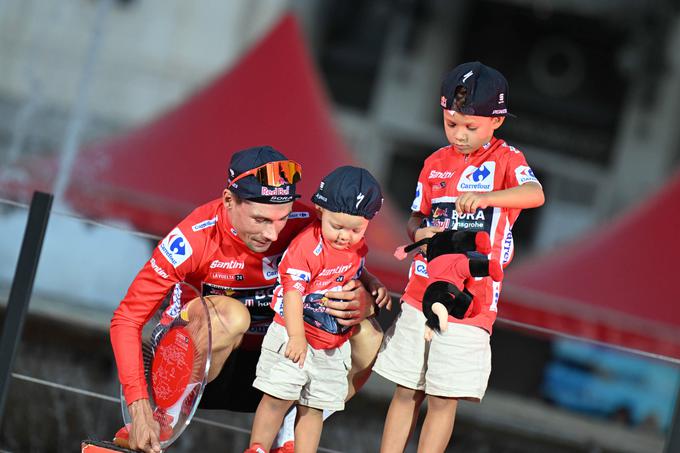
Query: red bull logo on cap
[(276, 191)]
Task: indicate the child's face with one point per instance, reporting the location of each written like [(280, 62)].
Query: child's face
[(342, 230), (467, 132)]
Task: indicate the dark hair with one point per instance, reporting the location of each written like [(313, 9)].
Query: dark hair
[(236, 198), (460, 97)]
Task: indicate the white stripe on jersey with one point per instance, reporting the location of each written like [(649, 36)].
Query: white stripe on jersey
[(495, 218), (443, 200)]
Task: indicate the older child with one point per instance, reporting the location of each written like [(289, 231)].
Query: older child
[(305, 354), (477, 183)]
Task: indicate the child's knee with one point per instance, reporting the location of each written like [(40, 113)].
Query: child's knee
[(407, 395), (441, 403)]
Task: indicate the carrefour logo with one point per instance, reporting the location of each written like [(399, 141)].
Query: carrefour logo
[(525, 174), (420, 268), (270, 266), (175, 248), (478, 179)]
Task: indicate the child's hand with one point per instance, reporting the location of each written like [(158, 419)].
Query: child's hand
[(296, 350), (380, 293), (471, 201), (424, 233)]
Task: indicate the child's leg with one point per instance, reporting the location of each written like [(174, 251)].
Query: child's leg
[(308, 429), (268, 418), (403, 413), (438, 425), (287, 431)]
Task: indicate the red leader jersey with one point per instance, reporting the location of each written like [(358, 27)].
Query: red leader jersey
[(446, 174), (312, 267), (204, 251)]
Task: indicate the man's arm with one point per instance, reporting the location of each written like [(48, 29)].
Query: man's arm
[(143, 298)]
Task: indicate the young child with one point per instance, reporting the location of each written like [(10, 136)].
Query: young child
[(478, 183), (307, 360)]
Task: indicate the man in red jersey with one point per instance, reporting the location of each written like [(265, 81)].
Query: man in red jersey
[(229, 249)]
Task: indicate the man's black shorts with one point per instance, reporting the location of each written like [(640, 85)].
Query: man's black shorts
[(233, 388)]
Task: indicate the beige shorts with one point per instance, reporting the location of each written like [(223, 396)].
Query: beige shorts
[(321, 383), (455, 364)]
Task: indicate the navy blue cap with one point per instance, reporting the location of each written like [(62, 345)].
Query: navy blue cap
[(487, 90), (249, 188), (350, 190)]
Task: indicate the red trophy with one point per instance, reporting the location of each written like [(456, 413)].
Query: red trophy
[(176, 345)]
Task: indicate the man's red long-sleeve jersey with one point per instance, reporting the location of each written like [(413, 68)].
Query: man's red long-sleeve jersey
[(204, 251)]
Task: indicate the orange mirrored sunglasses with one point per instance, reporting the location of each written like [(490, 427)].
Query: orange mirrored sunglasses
[(274, 174)]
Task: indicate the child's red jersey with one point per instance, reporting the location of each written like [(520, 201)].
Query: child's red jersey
[(312, 267), (445, 175)]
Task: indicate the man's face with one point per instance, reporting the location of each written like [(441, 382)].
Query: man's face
[(257, 224), (467, 133)]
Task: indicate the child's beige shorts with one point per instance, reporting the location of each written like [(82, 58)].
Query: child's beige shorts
[(321, 383), (455, 364)]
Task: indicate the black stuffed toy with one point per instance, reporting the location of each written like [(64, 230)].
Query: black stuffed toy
[(448, 267)]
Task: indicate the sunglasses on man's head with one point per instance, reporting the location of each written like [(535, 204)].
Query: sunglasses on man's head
[(273, 174)]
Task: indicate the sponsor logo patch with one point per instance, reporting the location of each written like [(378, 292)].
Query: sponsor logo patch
[(508, 246), (477, 179), (204, 224), (298, 274), (298, 215), (339, 269), (233, 264), (175, 248), (435, 174), (275, 191), (159, 270), (270, 266), (319, 248), (420, 268), (524, 174)]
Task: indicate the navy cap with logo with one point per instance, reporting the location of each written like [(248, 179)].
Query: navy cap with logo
[(487, 90), (350, 190), (264, 175)]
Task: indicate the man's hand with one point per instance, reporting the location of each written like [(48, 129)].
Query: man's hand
[(144, 431), (356, 303), (296, 350)]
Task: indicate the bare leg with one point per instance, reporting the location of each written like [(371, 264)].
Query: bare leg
[(365, 344), (403, 412), (308, 428), (438, 425), (268, 418), (229, 320)]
